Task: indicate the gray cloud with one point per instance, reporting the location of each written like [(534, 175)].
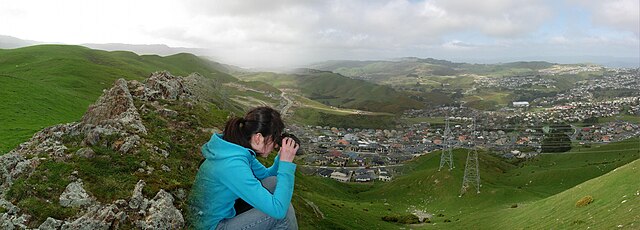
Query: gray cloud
[(293, 32), (623, 15), (362, 27)]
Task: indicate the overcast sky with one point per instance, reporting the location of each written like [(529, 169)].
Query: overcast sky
[(263, 33)]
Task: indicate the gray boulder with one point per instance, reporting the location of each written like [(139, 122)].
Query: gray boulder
[(162, 214), (50, 224), (115, 107), (75, 196), (137, 199), (12, 166), (98, 217), (163, 85), (86, 152)]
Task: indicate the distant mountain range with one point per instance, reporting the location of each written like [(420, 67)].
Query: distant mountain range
[(9, 42)]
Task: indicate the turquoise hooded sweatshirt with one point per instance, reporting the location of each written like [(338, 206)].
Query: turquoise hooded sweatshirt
[(231, 171)]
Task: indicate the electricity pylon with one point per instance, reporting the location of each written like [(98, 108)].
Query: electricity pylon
[(447, 156), (471, 168)]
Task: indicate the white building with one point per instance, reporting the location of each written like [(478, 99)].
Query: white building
[(340, 176), (520, 104)]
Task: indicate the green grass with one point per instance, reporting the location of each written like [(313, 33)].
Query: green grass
[(339, 91), (110, 175), (312, 116), (50, 84), (616, 197), (626, 117), (431, 120), (503, 184)]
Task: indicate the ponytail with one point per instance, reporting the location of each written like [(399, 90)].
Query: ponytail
[(234, 132)]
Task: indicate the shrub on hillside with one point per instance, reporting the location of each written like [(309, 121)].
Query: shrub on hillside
[(584, 201), (409, 219), (391, 218), (402, 219)]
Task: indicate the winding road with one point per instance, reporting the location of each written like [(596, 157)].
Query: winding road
[(286, 108)]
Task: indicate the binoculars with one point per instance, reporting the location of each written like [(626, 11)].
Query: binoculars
[(289, 135)]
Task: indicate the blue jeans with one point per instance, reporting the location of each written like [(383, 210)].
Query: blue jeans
[(254, 219)]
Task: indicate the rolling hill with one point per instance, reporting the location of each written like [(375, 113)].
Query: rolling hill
[(339, 91), (513, 196), (50, 84), (615, 195)]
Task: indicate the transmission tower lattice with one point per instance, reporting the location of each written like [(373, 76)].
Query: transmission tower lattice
[(447, 156), (471, 168)]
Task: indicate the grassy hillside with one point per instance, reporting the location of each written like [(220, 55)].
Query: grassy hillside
[(509, 190), (339, 91), (616, 198), (381, 71), (313, 116), (50, 84)]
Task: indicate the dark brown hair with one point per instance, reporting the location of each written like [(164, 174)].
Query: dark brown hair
[(263, 120)]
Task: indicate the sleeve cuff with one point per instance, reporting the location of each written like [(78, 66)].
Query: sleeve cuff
[(287, 166)]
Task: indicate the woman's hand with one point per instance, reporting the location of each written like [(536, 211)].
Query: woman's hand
[(288, 149)]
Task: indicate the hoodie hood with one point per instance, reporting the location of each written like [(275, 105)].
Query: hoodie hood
[(217, 148)]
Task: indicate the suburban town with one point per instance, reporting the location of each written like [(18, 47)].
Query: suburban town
[(514, 132)]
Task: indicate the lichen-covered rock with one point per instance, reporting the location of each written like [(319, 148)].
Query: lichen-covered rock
[(86, 152), (162, 214), (114, 107), (75, 196), (13, 165), (163, 85), (50, 224), (167, 112), (166, 168), (137, 198), (129, 143), (48, 141), (11, 209), (8, 221), (98, 217)]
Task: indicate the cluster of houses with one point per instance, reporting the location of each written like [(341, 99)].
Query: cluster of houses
[(580, 110), (514, 82), (354, 175), (566, 69), (609, 132), (363, 155), (575, 94), (620, 79)]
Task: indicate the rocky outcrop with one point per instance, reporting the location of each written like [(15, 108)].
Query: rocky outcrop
[(112, 122), (50, 224), (48, 141), (13, 165), (163, 85), (86, 152), (114, 110), (137, 200), (75, 196), (162, 214), (97, 217), (8, 221)]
